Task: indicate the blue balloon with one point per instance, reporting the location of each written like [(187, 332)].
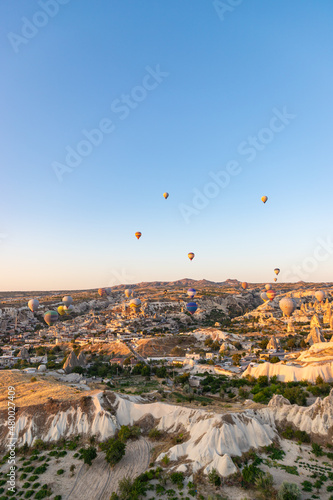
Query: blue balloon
[(191, 307), (191, 292)]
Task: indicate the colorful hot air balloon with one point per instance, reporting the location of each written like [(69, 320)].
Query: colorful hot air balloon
[(102, 292), (69, 309), (191, 255), (138, 234), (320, 295), (244, 285), (271, 294), (277, 270), (135, 303), (67, 300), (268, 287), (264, 297), (166, 195), (264, 199), (33, 305), (191, 292), (275, 279), (61, 310), (287, 306), (50, 317), (191, 307), (128, 292)]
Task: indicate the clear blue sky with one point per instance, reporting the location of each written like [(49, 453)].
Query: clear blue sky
[(223, 77)]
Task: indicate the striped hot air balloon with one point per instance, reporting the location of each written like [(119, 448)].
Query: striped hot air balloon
[(191, 292), (50, 317), (102, 292), (138, 235), (191, 255), (191, 307)]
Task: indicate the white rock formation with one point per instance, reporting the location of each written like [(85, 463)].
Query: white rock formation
[(315, 419)]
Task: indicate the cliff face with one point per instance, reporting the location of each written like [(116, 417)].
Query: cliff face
[(316, 420), (210, 436)]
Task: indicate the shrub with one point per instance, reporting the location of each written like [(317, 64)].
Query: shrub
[(214, 478), (249, 474), (177, 478), (165, 460), (317, 450), (41, 469), (127, 432), (60, 471), (155, 434), (307, 486), (88, 454), (115, 450), (289, 491), (264, 484)]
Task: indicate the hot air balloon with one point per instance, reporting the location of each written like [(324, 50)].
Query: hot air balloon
[(191, 255), (191, 292), (263, 296), (50, 317), (271, 294), (268, 287), (264, 199), (102, 292), (166, 195), (69, 309), (135, 303), (67, 300), (277, 270), (244, 285), (320, 295), (128, 292), (61, 310), (138, 234), (287, 306), (33, 305), (191, 307), (108, 291), (275, 279)]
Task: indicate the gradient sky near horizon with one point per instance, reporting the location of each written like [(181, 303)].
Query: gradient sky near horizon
[(224, 76)]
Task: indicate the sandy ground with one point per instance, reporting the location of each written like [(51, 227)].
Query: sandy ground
[(99, 481), (30, 393), (96, 482)]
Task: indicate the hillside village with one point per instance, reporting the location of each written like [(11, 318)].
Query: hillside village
[(237, 357)]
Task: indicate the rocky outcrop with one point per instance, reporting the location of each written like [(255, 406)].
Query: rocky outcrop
[(70, 363), (274, 343), (211, 437), (24, 354), (81, 359), (315, 321), (316, 419), (315, 336)]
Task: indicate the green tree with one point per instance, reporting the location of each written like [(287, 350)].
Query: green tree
[(214, 478), (114, 450), (88, 454), (236, 359)]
